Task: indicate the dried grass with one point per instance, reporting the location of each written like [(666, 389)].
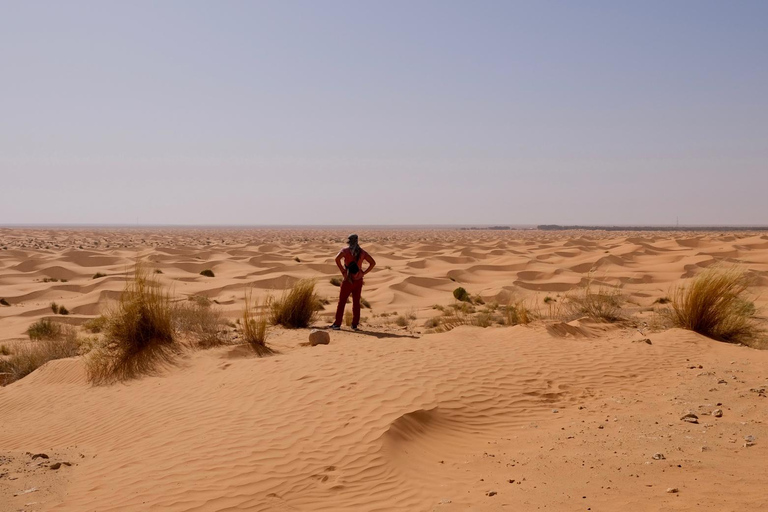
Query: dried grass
[(603, 303), (139, 335), (254, 325), (716, 304), (297, 307), (31, 356)]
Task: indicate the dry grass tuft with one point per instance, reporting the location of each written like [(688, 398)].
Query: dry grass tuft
[(29, 357), (516, 313), (200, 322), (716, 305), (603, 304), (139, 334), (254, 326), (44, 329), (297, 307)]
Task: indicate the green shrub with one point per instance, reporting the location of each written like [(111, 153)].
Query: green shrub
[(461, 294), (207, 273)]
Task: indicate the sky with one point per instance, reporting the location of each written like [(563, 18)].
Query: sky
[(388, 112)]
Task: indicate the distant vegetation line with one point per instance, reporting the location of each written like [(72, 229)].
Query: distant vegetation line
[(557, 227)]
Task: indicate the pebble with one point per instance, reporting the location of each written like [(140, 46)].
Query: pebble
[(717, 413), (319, 337), (690, 418), (491, 493), (673, 490), (658, 456), (444, 501)]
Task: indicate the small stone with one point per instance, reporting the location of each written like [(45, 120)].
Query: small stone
[(717, 413), (40, 456), (644, 340), (444, 501), (491, 493), (690, 418), (319, 337), (658, 456), (555, 411), (673, 490), (57, 465)]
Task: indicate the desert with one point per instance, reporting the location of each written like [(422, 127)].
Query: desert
[(435, 403)]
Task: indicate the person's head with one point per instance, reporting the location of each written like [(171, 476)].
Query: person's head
[(352, 240)]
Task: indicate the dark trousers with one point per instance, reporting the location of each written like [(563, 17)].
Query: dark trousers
[(356, 289)]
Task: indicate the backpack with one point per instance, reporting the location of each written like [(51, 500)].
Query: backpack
[(353, 267)]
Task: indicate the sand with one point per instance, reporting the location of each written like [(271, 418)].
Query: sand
[(552, 415)]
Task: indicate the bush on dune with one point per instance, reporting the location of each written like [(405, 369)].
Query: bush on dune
[(602, 304), (139, 332), (296, 308), (29, 357), (200, 322), (44, 329), (716, 305)]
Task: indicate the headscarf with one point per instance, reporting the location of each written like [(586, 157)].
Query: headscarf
[(354, 246)]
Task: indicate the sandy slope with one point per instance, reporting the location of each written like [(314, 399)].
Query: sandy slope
[(535, 417)]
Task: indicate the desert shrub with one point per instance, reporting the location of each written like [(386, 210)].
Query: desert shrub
[(254, 326), (4, 350), (603, 303), (335, 281), (662, 300), (402, 321), (297, 307), (139, 332), (207, 273), (29, 357), (98, 275), (517, 313), (433, 322), (461, 294), (63, 310), (201, 323), (55, 308), (50, 280), (715, 304), (44, 329), (4, 302), (96, 325), (297, 259), (158, 271), (200, 300), (365, 303)]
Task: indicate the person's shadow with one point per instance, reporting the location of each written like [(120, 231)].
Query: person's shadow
[(383, 335)]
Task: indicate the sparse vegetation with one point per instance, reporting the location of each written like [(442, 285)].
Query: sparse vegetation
[(158, 271), (4, 350), (44, 329), (254, 326), (662, 300), (602, 304), (517, 313), (199, 322), (461, 294), (55, 308), (365, 303), (98, 275), (50, 280), (715, 304), (297, 259), (139, 333), (63, 310), (335, 281), (4, 302), (207, 273), (29, 357), (95, 325), (297, 307)]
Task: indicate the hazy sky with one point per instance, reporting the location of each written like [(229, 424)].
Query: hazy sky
[(389, 112)]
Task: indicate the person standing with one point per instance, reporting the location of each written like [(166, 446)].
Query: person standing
[(353, 257)]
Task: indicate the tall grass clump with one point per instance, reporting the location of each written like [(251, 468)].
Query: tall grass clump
[(200, 322), (603, 303), (516, 313), (254, 326), (297, 307), (715, 304), (139, 333)]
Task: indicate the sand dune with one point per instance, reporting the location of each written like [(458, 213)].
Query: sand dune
[(554, 415)]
